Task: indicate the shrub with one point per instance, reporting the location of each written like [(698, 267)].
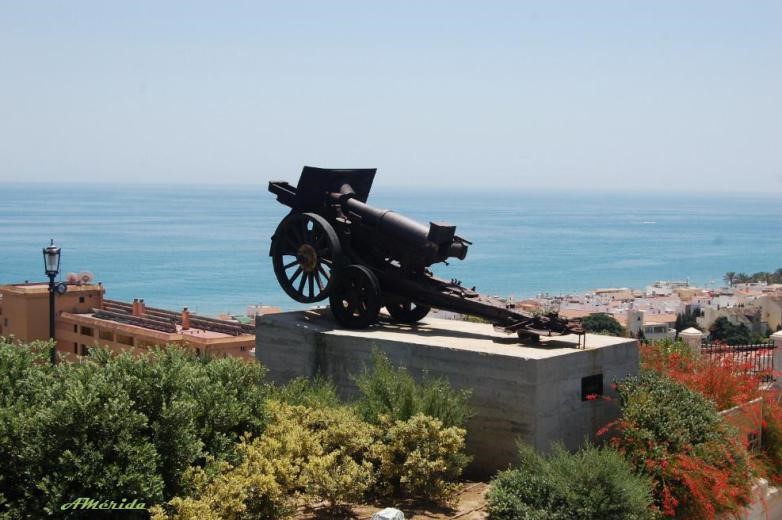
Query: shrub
[(252, 489), (68, 434), (313, 393), (195, 406), (317, 454), (724, 380), (24, 370), (675, 436), (590, 484), (117, 425), (658, 355), (338, 470), (165, 427), (419, 457), (668, 410), (727, 383), (392, 392)]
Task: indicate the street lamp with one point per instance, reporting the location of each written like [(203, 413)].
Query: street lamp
[(51, 262)]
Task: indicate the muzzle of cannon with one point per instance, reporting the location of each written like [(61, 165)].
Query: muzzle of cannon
[(334, 245)]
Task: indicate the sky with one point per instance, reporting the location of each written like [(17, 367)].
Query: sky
[(583, 95)]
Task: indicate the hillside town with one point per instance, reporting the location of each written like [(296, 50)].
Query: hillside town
[(652, 312)]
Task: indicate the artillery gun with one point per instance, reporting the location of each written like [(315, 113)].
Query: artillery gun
[(334, 245)]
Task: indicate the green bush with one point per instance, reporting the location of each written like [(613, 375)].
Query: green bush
[(194, 406), (676, 437), (668, 411), (419, 457), (203, 438), (66, 434), (117, 426), (387, 391), (314, 393), (667, 347), (305, 453), (327, 454), (594, 483)]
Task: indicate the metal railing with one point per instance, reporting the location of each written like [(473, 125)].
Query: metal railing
[(757, 358)]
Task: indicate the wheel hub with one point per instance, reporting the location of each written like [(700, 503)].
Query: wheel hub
[(307, 257)]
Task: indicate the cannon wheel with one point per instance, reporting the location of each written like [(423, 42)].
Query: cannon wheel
[(406, 311), (356, 302), (305, 249)]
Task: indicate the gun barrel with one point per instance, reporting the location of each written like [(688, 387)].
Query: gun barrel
[(388, 221), (440, 239)]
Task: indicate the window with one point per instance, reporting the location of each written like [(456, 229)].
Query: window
[(75, 328), (83, 349), (242, 348), (86, 331), (125, 340), (75, 348), (81, 299), (591, 387), (106, 335)]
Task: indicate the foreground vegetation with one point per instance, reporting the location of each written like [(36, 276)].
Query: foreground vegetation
[(594, 483), (114, 426), (701, 462), (200, 438), (195, 438), (671, 453)]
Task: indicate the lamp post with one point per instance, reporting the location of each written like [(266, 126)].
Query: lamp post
[(51, 262)]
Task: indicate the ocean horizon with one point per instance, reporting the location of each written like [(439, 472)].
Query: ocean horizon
[(206, 246)]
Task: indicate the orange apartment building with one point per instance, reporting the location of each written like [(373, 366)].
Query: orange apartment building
[(85, 318)]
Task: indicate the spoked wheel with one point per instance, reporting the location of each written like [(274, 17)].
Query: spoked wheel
[(305, 249), (355, 303), (406, 311)]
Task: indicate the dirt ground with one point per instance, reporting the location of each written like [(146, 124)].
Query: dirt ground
[(470, 505)]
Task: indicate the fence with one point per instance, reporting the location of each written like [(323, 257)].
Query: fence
[(758, 358)]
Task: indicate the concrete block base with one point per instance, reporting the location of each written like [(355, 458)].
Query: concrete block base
[(542, 394)]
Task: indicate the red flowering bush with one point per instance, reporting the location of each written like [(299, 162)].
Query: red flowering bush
[(724, 380), (727, 383), (675, 435)]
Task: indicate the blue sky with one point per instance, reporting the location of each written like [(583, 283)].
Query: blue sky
[(649, 96)]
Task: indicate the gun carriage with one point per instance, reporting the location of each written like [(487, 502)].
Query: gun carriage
[(334, 245)]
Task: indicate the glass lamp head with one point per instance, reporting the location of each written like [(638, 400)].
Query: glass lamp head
[(51, 259)]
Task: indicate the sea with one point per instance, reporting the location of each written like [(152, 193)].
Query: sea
[(206, 246)]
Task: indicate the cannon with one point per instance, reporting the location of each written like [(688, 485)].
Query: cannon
[(334, 245)]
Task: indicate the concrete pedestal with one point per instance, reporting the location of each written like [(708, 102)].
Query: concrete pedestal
[(540, 394)]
